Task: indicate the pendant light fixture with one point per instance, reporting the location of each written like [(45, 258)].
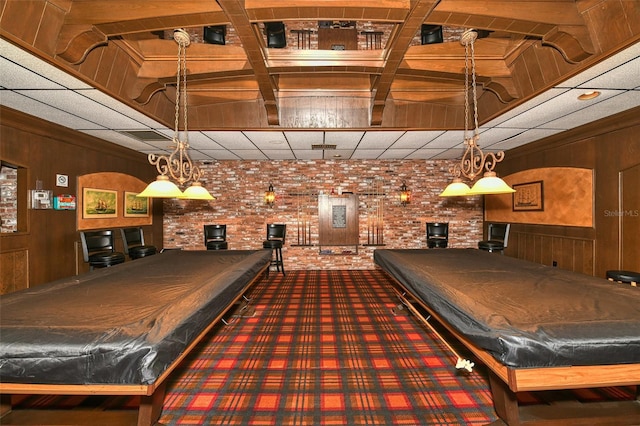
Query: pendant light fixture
[(474, 161), (178, 165)]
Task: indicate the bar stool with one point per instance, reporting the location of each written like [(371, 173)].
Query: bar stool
[(134, 246), (627, 277), (215, 237), (275, 240), (98, 249)]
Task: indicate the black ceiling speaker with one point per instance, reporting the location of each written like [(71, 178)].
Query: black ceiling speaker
[(431, 34), (215, 34), (276, 37)]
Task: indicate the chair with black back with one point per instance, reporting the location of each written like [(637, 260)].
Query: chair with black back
[(215, 237), (275, 241), (437, 234), (134, 246), (98, 249), (497, 238)]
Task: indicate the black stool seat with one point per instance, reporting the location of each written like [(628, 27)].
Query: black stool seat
[(104, 259), (437, 242), (624, 276), (491, 245), (217, 245), (142, 251), (272, 244)]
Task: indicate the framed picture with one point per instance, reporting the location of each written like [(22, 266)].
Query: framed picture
[(528, 196), (134, 206), (99, 203)]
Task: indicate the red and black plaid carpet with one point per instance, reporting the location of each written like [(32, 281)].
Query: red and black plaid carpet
[(324, 348)]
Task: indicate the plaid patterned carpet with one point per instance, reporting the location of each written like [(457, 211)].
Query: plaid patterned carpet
[(323, 348)]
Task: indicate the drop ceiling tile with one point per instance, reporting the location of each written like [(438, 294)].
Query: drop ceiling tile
[(379, 139), (231, 140), (250, 154), (81, 106), (200, 141), (38, 66), (303, 139), (448, 139), (220, 154), (565, 103), (13, 76), (626, 76), (449, 154), (307, 154), (344, 140), (608, 106), (36, 108), (524, 138), (278, 154), (366, 154), (120, 139), (267, 139), (416, 138), (393, 153), (426, 153)]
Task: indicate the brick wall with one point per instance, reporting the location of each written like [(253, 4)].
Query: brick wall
[(239, 188)]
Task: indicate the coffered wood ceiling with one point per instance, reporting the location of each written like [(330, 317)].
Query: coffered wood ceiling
[(401, 99)]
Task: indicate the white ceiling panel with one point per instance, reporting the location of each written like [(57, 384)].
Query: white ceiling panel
[(611, 105), (115, 105), (81, 106), (381, 139), (17, 77), (344, 140), (31, 106), (393, 153), (267, 140), (38, 66), (304, 140), (447, 140), (231, 140), (366, 154), (220, 154), (198, 140), (307, 154), (278, 154), (250, 154), (120, 139), (609, 67), (524, 138), (425, 153), (416, 138)]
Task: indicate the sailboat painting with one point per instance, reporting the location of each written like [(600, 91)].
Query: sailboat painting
[(99, 203), (134, 206), (528, 197)]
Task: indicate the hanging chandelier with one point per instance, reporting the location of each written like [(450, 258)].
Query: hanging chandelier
[(474, 161), (178, 165)]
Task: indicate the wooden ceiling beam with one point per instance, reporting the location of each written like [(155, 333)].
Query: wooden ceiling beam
[(395, 54), (254, 47)]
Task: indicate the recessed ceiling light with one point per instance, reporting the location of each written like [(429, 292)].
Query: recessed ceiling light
[(586, 96)]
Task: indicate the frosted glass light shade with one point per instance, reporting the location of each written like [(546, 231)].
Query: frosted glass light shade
[(196, 192), (162, 187), (457, 188), (491, 184)]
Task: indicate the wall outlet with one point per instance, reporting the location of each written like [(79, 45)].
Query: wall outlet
[(554, 263)]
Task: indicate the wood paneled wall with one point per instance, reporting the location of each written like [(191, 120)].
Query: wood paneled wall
[(611, 148), (46, 250)]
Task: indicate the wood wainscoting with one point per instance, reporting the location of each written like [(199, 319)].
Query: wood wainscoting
[(570, 248)]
